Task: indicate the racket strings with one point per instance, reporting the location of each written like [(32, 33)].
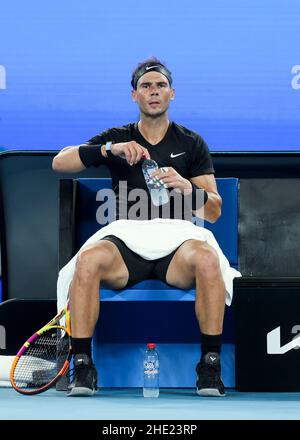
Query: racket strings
[(42, 360)]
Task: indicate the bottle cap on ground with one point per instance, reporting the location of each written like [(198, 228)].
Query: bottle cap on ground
[(151, 345)]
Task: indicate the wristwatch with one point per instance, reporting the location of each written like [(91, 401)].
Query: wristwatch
[(107, 148)]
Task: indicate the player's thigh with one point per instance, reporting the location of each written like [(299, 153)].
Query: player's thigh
[(181, 270), (114, 272)]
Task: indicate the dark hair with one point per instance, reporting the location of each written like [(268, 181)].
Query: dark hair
[(152, 61)]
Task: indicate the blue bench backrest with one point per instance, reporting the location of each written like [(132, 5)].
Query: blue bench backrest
[(225, 229)]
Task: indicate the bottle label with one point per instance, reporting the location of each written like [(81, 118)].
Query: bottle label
[(150, 368)]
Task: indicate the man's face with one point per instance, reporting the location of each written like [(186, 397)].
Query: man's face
[(153, 94)]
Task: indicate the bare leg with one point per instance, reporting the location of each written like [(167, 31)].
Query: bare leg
[(98, 262), (197, 263)]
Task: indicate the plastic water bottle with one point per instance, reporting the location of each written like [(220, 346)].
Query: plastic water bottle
[(158, 192), (151, 372)]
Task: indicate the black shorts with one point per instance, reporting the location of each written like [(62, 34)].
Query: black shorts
[(140, 269)]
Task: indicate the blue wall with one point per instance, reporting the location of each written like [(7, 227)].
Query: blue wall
[(65, 69)]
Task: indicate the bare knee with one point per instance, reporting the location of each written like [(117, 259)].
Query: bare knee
[(204, 259), (95, 260)]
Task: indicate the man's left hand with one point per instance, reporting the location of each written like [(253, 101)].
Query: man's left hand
[(172, 179)]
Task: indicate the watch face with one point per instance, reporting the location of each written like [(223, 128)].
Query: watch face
[(107, 146)]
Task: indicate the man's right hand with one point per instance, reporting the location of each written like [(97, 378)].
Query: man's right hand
[(131, 151)]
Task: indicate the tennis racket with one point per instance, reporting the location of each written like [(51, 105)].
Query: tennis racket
[(44, 357)]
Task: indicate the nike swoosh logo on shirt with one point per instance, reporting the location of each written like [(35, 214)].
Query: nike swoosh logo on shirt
[(176, 155)]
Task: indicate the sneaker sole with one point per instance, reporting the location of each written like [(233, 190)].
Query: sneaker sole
[(81, 391), (210, 392)]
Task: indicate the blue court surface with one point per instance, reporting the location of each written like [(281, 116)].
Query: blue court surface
[(129, 404)]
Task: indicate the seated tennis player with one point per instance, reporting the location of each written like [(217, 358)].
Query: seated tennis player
[(152, 236)]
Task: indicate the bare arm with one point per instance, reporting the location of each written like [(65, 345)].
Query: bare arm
[(212, 208), (68, 160)]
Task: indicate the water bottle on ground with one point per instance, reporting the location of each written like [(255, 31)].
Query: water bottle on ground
[(151, 372), (158, 192)]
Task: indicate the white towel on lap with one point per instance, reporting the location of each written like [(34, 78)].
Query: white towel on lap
[(151, 239)]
